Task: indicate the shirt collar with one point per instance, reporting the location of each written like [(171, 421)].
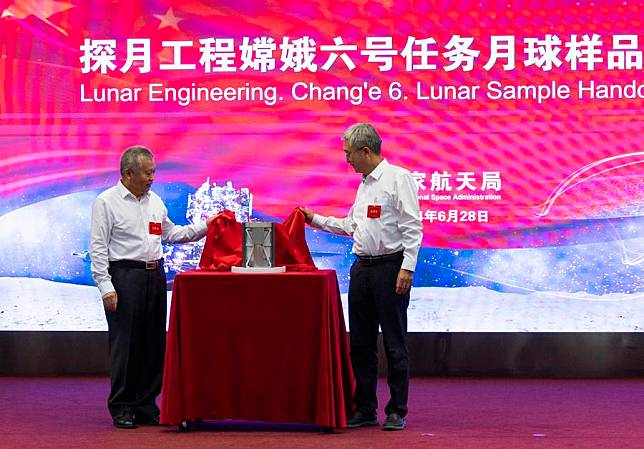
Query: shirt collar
[(377, 172)]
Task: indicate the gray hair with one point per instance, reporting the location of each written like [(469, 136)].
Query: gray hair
[(130, 158), (362, 135)]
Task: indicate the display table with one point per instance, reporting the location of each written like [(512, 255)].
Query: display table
[(264, 347)]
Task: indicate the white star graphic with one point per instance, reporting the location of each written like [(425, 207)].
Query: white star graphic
[(169, 20)]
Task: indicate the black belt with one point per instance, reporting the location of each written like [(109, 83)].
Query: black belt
[(149, 265), (374, 260)]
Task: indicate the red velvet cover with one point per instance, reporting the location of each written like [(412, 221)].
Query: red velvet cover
[(223, 247), (266, 347)]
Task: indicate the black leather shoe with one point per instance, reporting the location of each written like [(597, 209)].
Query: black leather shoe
[(147, 419), (360, 419), (394, 422), (124, 422)]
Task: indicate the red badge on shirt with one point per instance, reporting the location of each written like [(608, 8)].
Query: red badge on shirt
[(373, 211), (155, 228)]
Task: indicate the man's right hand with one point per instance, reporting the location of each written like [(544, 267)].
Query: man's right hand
[(110, 300), (308, 213)]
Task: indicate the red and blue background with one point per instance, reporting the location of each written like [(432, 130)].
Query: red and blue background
[(572, 199)]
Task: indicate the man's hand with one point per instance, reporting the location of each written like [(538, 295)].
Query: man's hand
[(403, 283), (308, 213), (110, 300)]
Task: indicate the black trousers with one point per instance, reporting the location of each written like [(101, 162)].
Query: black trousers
[(373, 302), (137, 339)]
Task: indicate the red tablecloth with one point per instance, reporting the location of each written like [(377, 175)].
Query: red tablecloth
[(266, 347)]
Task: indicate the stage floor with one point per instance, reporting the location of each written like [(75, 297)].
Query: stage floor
[(70, 412)]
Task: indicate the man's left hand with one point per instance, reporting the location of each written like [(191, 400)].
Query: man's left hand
[(403, 283), (308, 214)]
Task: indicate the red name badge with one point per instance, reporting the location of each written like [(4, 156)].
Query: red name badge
[(373, 211), (155, 228)]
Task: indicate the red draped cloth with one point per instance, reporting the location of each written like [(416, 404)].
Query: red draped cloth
[(262, 346), (223, 248)]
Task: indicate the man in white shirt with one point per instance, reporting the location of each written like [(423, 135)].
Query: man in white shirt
[(128, 223), (384, 222)]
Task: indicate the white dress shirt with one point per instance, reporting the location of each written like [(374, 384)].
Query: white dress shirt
[(398, 228), (121, 231)]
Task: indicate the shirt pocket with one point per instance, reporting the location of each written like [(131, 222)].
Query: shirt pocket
[(386, 202)]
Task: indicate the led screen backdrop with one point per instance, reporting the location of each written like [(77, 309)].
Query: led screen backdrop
[(521, 122)]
